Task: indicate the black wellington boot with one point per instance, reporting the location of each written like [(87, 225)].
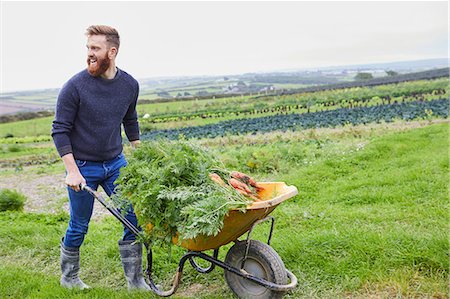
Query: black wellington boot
[(70, 266), (131, 256)]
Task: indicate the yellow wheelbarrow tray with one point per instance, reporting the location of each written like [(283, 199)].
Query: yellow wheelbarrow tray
[(252, 268), (236, 223)]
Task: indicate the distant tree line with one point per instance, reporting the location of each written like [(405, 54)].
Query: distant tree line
[(24, 116), (363, 76), (280, 79), (425, 75)]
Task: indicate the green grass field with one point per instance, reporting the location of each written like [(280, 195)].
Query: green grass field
[(31, 127), (370, 221)]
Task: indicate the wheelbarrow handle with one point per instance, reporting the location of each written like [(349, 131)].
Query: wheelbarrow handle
[(116, 213), (138, 233)]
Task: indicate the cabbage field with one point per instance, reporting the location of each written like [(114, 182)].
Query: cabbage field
[(323, 119)]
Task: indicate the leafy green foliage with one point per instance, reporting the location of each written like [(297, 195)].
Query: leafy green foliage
[(11, 200), (169, 187), (293, 122), (363, 76)]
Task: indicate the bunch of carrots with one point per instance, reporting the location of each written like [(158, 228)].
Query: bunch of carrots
[(242, 182)]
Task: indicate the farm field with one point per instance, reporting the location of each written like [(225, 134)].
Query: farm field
[(370, 218), (170, 88), (370, 221), (245, 106), (27, 101), (210, 111)]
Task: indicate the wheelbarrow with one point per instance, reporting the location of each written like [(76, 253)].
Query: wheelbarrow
[(252, 268)]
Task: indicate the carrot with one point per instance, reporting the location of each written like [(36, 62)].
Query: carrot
[(239, 185), (246, 179), (216, 178), (240, 176), (247, 194)]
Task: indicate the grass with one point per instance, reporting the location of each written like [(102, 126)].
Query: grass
[(371, 214), (19, 155), (377, 217), (190, 105), (371, 220), (31, 127), (45, 168), (29, 253), (10, 151)]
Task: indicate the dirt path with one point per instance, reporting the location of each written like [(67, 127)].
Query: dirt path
[(46, 193)]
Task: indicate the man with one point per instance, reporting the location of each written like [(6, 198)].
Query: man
[(90, 110)]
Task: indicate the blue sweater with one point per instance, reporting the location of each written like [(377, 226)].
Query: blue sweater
[(89, 114)]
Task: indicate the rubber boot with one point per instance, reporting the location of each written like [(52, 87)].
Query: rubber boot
[(70, 266), (131, 256)]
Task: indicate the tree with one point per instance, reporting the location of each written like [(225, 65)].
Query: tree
[(163, 94), (391, 73), (363, 76)]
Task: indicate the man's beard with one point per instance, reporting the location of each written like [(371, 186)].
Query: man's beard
[(101, 66)]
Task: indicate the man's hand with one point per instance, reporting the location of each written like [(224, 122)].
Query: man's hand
[(74, 180), (73, 177), (135, 143)]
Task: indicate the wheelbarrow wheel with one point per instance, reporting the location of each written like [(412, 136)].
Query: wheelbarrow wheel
[(263, 262)]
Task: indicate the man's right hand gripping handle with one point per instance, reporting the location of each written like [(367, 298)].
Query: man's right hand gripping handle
[(73, 178)]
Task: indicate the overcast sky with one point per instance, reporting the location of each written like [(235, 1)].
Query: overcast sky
[(43, 43)]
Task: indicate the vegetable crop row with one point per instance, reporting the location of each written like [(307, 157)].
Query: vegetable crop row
[(331, 118), (296, 104)]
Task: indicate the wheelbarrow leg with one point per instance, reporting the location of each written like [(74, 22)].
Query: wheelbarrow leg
[(204, 270), (178, 273)]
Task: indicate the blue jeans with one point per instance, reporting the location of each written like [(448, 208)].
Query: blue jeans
[(82, 203)]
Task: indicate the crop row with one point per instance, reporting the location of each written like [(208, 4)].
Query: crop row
[(331, 118), (341, 98), (297, 105)]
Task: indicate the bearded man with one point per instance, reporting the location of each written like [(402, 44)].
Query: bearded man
[(90, 110)]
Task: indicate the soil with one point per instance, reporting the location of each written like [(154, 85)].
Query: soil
[(46, 193)]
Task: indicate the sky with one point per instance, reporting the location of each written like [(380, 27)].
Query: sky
[(43, 43)]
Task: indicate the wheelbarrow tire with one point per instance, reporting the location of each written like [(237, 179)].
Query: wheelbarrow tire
[(263, 262)]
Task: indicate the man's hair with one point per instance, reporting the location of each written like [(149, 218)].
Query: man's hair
[(111, 34)]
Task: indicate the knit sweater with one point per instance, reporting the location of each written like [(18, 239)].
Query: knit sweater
[(89, 114)]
